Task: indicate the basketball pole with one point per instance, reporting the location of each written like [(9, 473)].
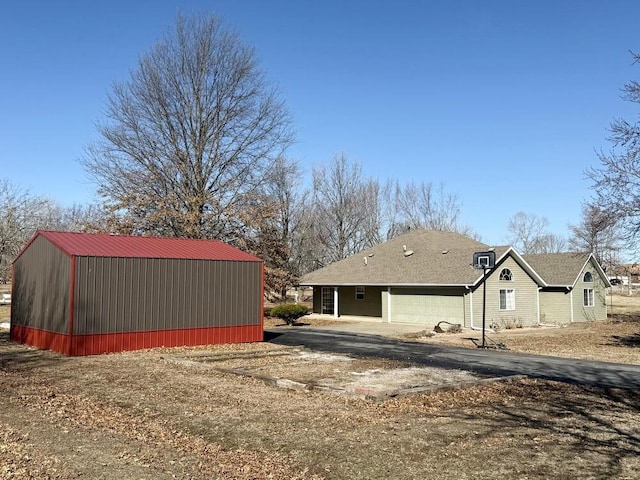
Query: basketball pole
[(484, 301)]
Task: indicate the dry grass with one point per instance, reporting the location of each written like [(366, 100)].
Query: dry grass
[(134, 415), (270, 322), (616, 340), (5, 313)]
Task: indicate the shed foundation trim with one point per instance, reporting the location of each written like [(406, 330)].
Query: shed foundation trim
[(95, 344)]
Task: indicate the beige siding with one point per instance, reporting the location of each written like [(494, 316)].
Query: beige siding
[(599, 309), (555, 306), (427, 306), (526, 298), (41, 284)]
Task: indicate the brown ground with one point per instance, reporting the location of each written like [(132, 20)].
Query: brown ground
[(140, 415), (616, 340)]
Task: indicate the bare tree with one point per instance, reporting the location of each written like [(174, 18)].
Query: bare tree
[(345, 207), (22, 214), (597, 232), (79, 218), (190, 136), (550, 243), (617, 179), (528, 234), (423, 205), (274, 224), (351, 212)]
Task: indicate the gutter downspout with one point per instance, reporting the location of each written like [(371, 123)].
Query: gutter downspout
[(478, 329)]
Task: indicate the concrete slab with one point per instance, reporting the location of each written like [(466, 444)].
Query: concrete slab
[(364, 325)]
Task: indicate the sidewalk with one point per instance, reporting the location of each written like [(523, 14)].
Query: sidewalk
[(364, 325)]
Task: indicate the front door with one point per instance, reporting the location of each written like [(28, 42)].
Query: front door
[(327, 301)]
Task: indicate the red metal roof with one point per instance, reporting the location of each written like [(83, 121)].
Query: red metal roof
[(104, 245)]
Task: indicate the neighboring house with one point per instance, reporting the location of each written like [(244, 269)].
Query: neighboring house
[(626, 273), (427, 276)]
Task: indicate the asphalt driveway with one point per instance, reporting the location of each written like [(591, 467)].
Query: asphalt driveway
[(482, 361)]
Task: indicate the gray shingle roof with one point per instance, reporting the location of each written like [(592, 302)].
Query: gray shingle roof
[(558, 268), (386, 264)]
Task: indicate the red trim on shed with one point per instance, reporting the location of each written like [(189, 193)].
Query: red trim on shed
[(58, 342), (118, 342), (72, 296)]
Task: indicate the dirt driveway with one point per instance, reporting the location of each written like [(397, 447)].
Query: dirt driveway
[(139, 415)]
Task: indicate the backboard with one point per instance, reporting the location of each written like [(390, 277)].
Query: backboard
[(484, 260)]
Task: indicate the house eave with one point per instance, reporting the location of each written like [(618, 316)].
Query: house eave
[(379, 284)]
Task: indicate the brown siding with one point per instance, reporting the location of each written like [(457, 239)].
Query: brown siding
[(41, 286), (134, 294), (371, 306), (317, 300)]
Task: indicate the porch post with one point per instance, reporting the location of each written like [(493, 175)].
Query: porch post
[(389, 305), (471, 308), (335, 302), (571, 300)]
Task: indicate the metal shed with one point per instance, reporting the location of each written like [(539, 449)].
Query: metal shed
[(85, 294)]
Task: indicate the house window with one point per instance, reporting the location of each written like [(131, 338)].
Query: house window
[(588, 278), (588, 297), (359, 293), (506, 275), (507, 299)]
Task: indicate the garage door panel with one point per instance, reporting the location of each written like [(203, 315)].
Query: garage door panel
[(427, 308)]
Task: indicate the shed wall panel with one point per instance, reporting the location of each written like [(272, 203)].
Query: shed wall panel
[(41, 284), (167, 295)]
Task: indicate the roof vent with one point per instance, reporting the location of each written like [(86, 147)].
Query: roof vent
[(444, 252), (408, 253), (371, 254), (404, 248), (365, 260)]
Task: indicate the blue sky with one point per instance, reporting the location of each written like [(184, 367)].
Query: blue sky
[(506, 102)]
